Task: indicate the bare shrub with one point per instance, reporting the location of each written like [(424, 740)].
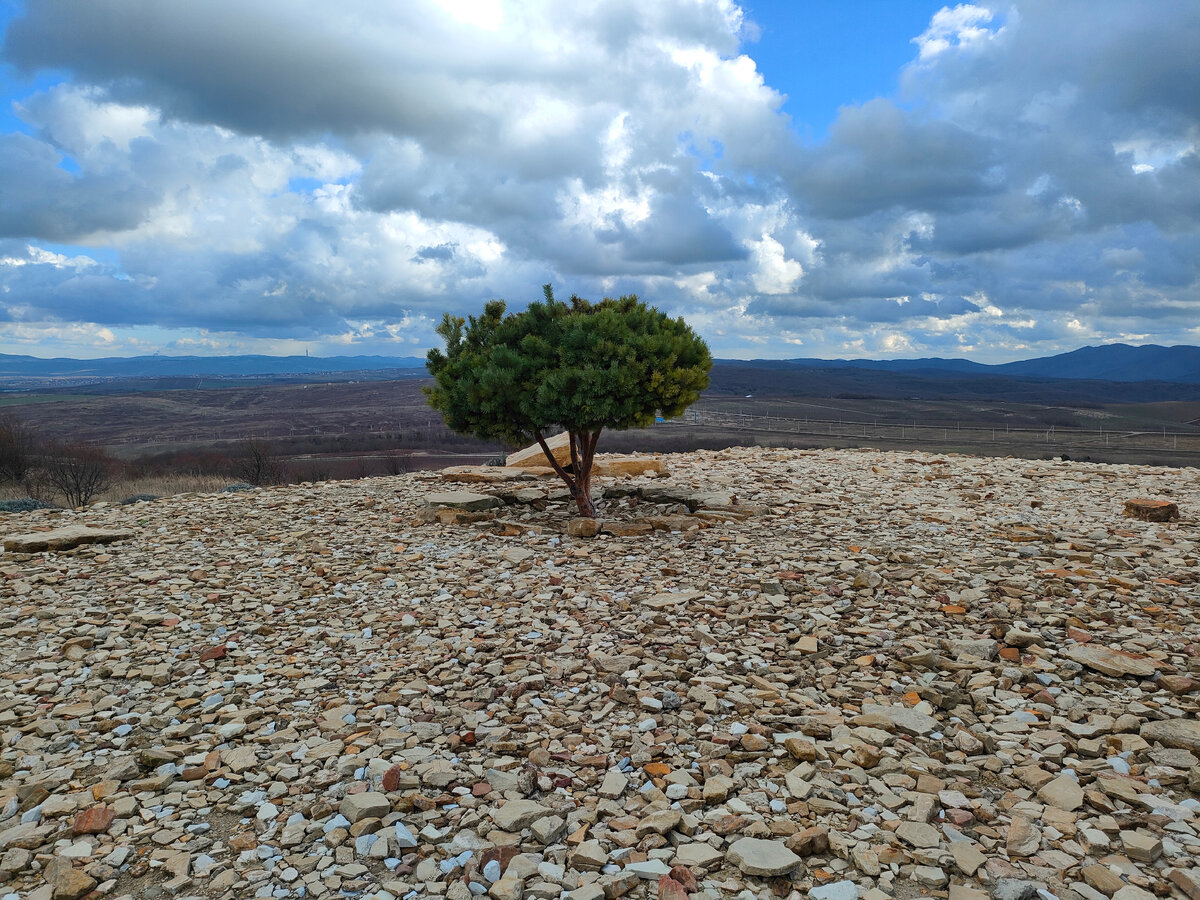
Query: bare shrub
[(398, 463), (314, 472), (257, 462), (78, 471), (37, 484), (18, 448)]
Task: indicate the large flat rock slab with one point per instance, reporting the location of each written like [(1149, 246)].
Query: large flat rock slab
[(1112, 662), (483, 474), (1152, 510), (1181, 733), (768, 859), (628, 466), (898, 718), (560, 446), (64, 538), (464, 500)]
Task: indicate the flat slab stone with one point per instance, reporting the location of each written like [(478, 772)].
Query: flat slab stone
[(1152, 510), (768, 859), (901, 718), (838, 890), (1112, 662), (627, 466), (649, 870), (697, 854), (483, 474), (465, 500), (517, 814), (671, 600), (367, 805), (1064, 792), (560, 446), (918, 834), (64, 538), (1183, 734)]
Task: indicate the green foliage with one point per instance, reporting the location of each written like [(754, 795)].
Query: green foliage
[(578, 366)]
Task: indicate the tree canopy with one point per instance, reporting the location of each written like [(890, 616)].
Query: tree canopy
[(578, 366)]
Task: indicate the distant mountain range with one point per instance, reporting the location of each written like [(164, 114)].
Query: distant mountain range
[(194, 366), (1111, 362)]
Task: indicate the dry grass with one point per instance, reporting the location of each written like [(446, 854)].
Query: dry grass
[(156, 486), (165, 486)]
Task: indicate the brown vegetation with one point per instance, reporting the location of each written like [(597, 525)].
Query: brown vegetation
[(163, 442)]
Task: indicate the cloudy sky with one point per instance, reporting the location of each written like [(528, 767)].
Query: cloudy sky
[(817, 178)]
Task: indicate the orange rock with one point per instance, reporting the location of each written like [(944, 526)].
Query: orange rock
[(102, 789), (755, 743), (95, 820), (1012, 654), (656, 769), (502, 855), (626, 529), (1179, 684), (670, 889), (684, 876), (912, 698), (951, 609), (391, 778)]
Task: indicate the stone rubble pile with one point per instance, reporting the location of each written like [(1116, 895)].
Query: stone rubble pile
[(830, 674)]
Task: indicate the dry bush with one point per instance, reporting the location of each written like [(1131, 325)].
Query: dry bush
[(18, 448), (78, 471), (257, 462), (398, 464)]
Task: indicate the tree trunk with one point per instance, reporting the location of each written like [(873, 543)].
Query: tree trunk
[(583, 499), (583, 451)]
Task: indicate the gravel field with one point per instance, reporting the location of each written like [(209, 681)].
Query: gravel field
[(825, 674)]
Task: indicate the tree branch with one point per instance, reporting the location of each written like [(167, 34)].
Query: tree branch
[(562, 473), (572, 439)]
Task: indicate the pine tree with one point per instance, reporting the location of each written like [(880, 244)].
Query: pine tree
[(579, 366)]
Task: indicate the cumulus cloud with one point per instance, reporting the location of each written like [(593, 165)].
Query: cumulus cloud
[(281, 171)]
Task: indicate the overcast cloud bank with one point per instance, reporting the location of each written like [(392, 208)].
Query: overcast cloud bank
[(249, 177)]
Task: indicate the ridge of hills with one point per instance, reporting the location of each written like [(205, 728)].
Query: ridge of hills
[(834, 673), (1110, 362), (13, 366)]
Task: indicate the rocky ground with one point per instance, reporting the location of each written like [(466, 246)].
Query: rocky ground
[(827, 674)]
